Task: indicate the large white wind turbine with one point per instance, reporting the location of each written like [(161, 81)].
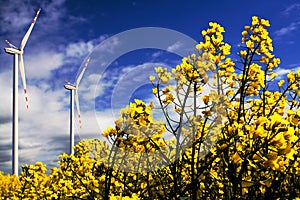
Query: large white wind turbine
[(16, 52), (74, 94)]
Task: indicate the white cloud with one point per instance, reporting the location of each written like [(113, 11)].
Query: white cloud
[(40, 65), (54, 9), (285, 30), (129, 80), (108, 46), (6, 94), (291, 8), (14, 15), (283, 72), (90, 88), (294, 66), (79, 49), (157, 54), (175, 46), (93, 123)]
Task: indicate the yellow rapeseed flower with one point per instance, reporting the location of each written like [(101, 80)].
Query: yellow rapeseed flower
[(255, 20), (205, 99), (152, 78), (154, 90), (291, 77), (280, 83)]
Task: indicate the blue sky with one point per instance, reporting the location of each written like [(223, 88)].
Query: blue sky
[(67, 31)]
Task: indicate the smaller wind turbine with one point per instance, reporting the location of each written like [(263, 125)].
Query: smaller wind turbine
[(74, 94), (16, 52)]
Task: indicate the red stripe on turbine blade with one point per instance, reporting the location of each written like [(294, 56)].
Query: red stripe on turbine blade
[(79, 120), (36, 16), (26, 98), (27, 106)]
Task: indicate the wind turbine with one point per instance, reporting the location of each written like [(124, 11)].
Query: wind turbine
[(16, 52), (74, 95)]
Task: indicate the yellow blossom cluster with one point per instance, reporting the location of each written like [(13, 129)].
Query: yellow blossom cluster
[(137, 138), (257, 37), (218, 50), (9, 186), (213, 43), (163, 75)]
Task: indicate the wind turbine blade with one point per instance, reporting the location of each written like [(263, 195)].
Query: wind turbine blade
[(77, 106), (26, 36), (22, 71), (82, 72), (11, 45)]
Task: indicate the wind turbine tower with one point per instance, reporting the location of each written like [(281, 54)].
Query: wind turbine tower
[(74, 95), (18, 52)]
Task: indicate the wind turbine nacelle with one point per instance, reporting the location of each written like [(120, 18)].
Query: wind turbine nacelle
[(12, 51), (70, 87)]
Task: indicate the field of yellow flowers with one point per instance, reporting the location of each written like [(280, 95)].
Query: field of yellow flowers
[(240, 140)]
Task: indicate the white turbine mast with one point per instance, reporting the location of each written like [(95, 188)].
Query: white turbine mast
[(74, 95), (18, 52)]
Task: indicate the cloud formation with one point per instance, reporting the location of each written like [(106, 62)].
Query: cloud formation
[(287, 29), (291, 8)]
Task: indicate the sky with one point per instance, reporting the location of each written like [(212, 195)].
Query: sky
[(125, 40)]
